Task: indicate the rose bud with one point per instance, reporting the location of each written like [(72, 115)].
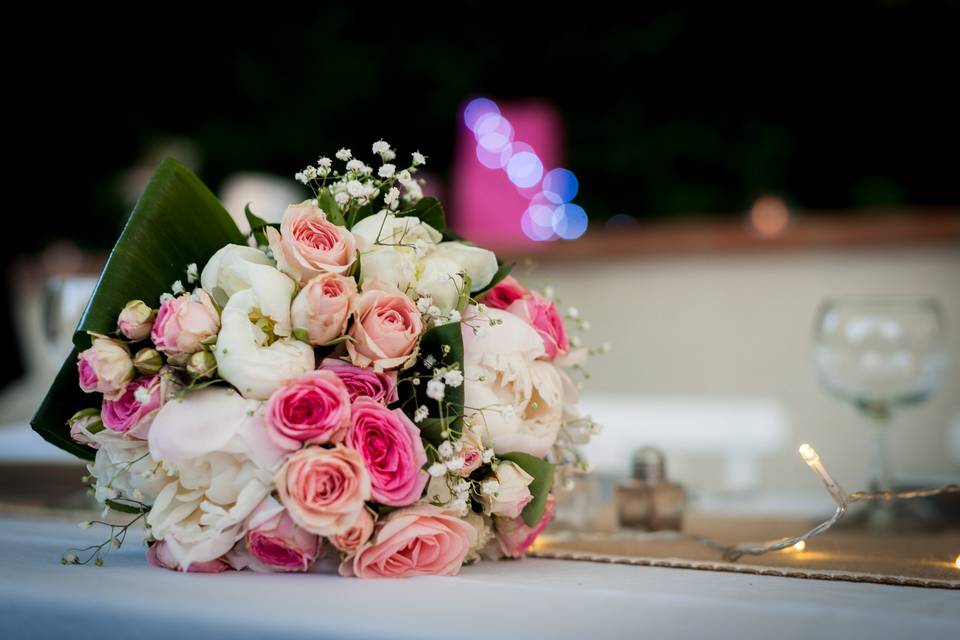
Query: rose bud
[(83, 424), (322, 307), (512, 492), (136, 320), (184, 322), (201, 364), (148, 361), (105, 367)]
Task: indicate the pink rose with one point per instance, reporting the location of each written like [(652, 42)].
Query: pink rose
[(308, 244), (277, 543), (135, 409), (357, 535), (505, 293), (392, 451), (313, 408), (541, 314), (386, 328), (324, 490), (419, 540), (159, 555), (105, 367), (322, 307), (515, 537), (184, 322), (135, 320), (364, 383)]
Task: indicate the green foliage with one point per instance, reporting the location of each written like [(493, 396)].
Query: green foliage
[(177, 221)]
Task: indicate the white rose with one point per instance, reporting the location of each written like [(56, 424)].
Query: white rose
[(441, 269), (228, 269), (244, 357), (396, 265), (518, 399), (124, 469), (513, 493), (216, 443), (385, 228)]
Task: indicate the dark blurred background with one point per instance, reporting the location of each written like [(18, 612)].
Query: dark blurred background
[(675, 111)]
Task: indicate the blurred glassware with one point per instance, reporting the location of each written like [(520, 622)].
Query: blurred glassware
[(880, 353), (63, 305)]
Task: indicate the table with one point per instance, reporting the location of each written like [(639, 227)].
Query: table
[(40, 598)]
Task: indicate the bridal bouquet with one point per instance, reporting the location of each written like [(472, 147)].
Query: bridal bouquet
[(353, 379)]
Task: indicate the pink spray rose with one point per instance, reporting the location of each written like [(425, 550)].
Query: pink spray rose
[(418, 540), (308, 244), (392, 451), (277, 543), (134, 410), (355, 536), (515, 537), (159, 555), (505, 293), (322, 307), (364, 383), (324, 490), (313, 408), (184, 322), (135, 320), (386, 328), (541, 314), (105, 367)]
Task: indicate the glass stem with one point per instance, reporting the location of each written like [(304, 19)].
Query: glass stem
[(882, 460)]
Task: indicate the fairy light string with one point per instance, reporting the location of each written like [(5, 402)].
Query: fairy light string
[(843, 500)]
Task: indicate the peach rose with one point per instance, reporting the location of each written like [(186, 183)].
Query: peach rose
[(322, 307), (324, 489), (356, 535), (386, 328), (308, 244), (417, 540)]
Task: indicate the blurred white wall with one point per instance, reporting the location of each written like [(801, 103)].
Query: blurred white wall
[(740, 326)]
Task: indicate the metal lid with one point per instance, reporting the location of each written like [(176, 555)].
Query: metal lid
[(649, 465)]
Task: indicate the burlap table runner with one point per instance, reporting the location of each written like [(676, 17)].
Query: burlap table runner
[(914, 559)]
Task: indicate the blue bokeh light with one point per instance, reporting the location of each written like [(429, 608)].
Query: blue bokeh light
[(560, 186), (476, 109), (569, 221)]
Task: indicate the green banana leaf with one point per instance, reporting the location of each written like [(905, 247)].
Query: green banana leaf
[(177, 221)]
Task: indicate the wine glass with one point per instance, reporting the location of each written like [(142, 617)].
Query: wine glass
[(880, 353)]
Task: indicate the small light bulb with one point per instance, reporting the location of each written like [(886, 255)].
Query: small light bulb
[(808, 454), (957, 562), (800, 546)]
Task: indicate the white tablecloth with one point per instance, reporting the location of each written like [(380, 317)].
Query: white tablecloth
[(40, 598)]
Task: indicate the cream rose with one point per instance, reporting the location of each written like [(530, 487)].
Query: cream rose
[(247, 357), (215, 443), (513, 492), (517, 400), (228, 270)]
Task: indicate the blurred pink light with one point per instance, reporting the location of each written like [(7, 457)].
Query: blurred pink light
[(492, 187)]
